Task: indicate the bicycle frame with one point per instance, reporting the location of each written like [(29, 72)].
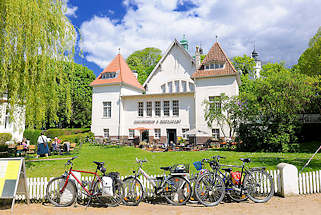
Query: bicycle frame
[(70, 172), (151, 179)]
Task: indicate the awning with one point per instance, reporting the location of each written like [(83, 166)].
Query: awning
[(197, 132), (140, 129)]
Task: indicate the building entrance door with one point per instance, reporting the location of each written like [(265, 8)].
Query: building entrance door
[(145, 136), (171, 136)]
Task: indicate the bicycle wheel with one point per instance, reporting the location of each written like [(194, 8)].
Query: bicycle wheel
[(110, 201), (133, 191), (210, 190), (177, 190), (237, 195), (61, 199), (193, 199), (259, 185)]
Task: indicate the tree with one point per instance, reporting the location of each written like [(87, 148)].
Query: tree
[(78, 78), (34, 37), (220, 110), (143, 62), (269, 106), (310, 61), (244, 64)]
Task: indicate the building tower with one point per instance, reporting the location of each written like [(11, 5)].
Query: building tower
[(184, 43), (258, 64)]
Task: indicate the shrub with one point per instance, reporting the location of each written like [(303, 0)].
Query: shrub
[(4, 137), (57, 132), (3, 147), (32, 135)]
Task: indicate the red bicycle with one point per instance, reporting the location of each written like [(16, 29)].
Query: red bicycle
[(105, 189)]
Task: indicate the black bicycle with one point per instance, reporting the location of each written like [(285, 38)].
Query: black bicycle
[(253, 183)]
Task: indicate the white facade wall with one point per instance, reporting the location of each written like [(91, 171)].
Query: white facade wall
[(186, 118), (175, 67), (16, 127), (215, 86), (108, 93)]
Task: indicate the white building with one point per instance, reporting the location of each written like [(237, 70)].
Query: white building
[(170, 101), (16, 128)]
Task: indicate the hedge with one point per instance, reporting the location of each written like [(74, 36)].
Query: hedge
[(57, 132), (4, 137), (76, 138), (32, 135)]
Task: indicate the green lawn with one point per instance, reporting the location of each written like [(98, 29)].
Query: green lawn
[(122, 159)]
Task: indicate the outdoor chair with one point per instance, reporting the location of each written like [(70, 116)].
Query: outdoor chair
[(31, 149), (72, 146), (19, 150)]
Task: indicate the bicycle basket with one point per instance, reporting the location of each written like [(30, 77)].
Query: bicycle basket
[(180, 168), (198, 165)]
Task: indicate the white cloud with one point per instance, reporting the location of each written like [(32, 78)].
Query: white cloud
[(281, 29), (70, 10)]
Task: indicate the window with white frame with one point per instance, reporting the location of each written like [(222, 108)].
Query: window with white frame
[(215, 103), (131, 134), (109, 75), (6, 119), (149, 106), (166, 108), (157, 133), (214, 66), (175, 108), (170, 87), (140, 108), (184, 86), (107, 109), (216, 133), (106, 132), (163, 88), (191, 86), (157, 108), (176, 86), (183, 132)]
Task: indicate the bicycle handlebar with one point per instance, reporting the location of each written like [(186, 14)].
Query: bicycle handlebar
[(141, 161), (70, 161)]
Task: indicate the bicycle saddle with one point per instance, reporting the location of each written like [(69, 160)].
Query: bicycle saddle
[(227, 169), (245, 160), (166, 168), (99, 163)]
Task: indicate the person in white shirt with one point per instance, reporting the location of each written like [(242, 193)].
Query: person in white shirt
[(43, 148)]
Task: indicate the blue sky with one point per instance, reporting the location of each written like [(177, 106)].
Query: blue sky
[(281, 29)]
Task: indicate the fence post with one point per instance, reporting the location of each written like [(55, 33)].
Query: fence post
[(288, 180)]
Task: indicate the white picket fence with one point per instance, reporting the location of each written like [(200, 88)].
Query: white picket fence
[(37, 186), (310, 182)]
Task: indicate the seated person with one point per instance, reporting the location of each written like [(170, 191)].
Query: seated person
[(25, 144), (56, 145)]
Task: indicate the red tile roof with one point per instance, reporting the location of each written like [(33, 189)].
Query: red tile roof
[(125, 75), (216, 55)]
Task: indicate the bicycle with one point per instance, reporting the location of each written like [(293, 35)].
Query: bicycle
[(253, 183), (62, 191), (209, 187), (175, 187)]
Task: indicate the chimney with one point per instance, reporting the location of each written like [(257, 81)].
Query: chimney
[(197, 57), (135, 73)]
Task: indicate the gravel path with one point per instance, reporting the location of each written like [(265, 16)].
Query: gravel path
[(303, 204)]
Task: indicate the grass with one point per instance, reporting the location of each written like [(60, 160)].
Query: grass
[(122, 159)]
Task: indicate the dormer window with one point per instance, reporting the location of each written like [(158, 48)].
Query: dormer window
[(214, 66), (109, 75)]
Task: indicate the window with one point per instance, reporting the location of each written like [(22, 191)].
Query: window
[(191, 86), (216, 133), (149, 108), (207, 66), (215, 104), (140, 108), (131, 134), (106, 132), (6, 118), (108, 75), (170, 87), (166, 108), (214, 66), (163, 87), (175, 108), (107, 109), (157, 134), (176, 86), (184, 86), (157, 108), (183, 131)]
